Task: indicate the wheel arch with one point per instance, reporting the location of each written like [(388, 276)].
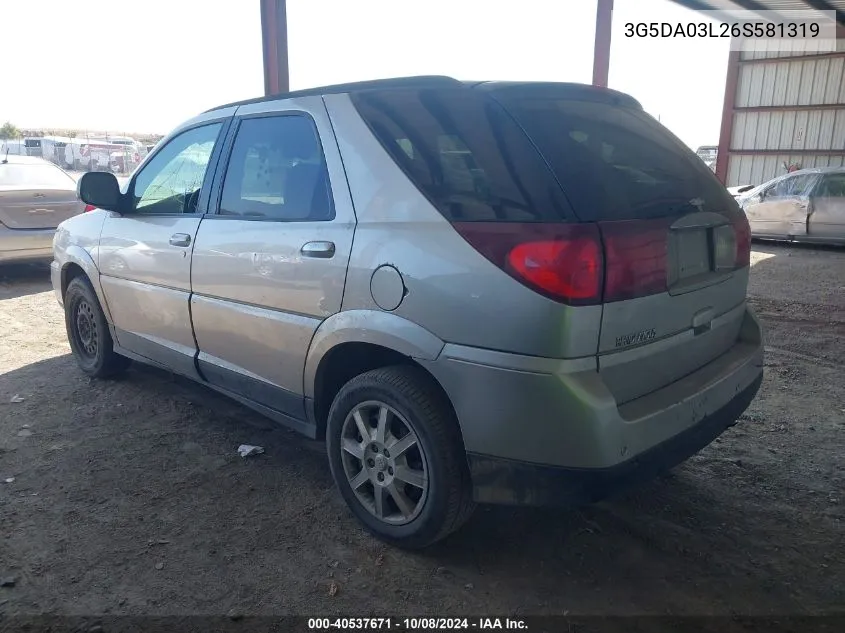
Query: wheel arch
[(353, 342), (78, 262)]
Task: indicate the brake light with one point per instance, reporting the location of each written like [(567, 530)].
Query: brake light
[(635, 258), (89, 207), (569, 269), (561, 261), (743, 241)]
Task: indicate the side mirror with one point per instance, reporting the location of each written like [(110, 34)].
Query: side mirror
[(99, 189)]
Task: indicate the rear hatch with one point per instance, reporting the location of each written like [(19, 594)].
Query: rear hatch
[(36, 196), (580, 195), (676, 246)]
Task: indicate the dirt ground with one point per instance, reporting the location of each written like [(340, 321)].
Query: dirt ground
[(129, 498)]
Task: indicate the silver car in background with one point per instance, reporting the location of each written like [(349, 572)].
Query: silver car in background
[(491, 292), (803, 206), (35, 197)]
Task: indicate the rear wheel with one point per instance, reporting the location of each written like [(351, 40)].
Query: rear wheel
[(396, 455), (88, 332)]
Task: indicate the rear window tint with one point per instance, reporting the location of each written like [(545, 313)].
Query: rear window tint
[(465, 154), (616, 163)]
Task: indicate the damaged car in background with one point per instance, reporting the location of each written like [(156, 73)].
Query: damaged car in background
[(807, 205)]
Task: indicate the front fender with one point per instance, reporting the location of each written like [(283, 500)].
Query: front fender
[(76, 243), (368, 326), (82, 258)]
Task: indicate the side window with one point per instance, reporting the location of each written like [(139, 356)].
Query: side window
[(277, 171), (832, 186), (171, 181), (779, 189), (799, 185)]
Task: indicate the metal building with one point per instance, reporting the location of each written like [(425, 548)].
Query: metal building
[(783, 108), (788, 112)]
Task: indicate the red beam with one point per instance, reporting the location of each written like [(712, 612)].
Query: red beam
[(791, 108), (785, 152), (793, 58), (274, 41), (731, 82), (601, 47)]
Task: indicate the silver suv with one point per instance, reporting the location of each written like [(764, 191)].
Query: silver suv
[(492, 292)]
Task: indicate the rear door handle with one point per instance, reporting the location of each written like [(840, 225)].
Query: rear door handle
[(320, 250), (180, 239)]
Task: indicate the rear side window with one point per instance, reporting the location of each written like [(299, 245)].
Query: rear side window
[(465, 154), (277, 172), (616, 162), (832, 186)]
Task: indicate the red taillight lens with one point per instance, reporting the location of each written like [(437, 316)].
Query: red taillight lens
[(635, 258), (89, 207), (568, 269), (562, 261), (743, 241)]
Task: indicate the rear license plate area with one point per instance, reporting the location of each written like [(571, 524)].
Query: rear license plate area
[(693, 254)]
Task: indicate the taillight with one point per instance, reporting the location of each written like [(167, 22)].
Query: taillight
[(561, 261), (743, 241), (89, 207), (635, 258)]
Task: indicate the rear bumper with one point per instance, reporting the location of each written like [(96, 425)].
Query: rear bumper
[(497, 480), (550, 421), (26, 244)]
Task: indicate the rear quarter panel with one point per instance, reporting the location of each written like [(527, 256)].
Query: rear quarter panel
[(451, 290)]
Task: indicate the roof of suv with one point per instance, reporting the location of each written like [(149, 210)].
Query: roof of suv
[(429, 81)]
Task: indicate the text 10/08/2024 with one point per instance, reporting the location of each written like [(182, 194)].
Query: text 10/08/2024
[(415, 624)]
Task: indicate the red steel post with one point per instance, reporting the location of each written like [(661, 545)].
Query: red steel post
[(274, 41), (601, 48)]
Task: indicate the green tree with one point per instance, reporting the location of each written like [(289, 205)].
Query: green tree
[(7, 130)]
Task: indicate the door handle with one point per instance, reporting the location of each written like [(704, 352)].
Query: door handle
[(320, 250), (180, 239)]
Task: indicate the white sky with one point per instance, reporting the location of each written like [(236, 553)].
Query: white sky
[(146, 65)]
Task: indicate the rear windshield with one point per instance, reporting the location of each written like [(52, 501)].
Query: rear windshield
[(35, 176), (465, 154), (469, 154), (616, 163)]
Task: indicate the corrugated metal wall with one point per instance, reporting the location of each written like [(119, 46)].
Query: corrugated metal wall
[(789, 107)]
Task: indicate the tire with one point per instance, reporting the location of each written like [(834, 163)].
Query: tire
[(88, 332), (440, 499)]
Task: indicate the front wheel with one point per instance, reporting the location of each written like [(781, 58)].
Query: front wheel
[(88, 332), (397, 457)]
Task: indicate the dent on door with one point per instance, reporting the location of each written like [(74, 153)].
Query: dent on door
[(146, 281), (784, 216), (263, 284)]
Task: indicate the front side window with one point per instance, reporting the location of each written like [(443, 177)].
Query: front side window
[(170, 183), (277, 172), (797, 186)]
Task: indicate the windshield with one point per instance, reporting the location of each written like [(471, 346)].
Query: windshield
[(35, 176)]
